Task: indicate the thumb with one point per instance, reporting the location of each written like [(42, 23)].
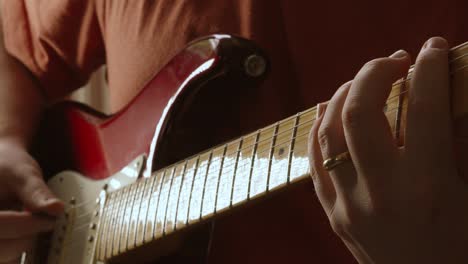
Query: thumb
[(37, 197)]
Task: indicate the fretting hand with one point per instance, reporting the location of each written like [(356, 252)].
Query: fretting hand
[(393, 204)]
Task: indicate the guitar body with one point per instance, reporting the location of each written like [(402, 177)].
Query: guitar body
[(191, 105)]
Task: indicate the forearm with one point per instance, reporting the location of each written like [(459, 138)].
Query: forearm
[(21, 101)]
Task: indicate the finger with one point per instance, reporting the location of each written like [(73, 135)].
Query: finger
[(34, 193), (332, 141), (11, 250), (366, 128), (14, 225), (428, 117), (322, 182)]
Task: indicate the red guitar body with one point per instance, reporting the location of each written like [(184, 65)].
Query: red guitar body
[(191, 105)]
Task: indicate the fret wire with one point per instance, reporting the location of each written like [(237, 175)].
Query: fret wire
[(102, 235), (197, 162), (270, 158), (198, 187), (313, 119), (199, 180), (219, 177), (226, 178), (300, 114), (302, 137), (126, 219), (135, 214), (204, 182), (286, 119), (142, 218), (74, 241), (292, 146), (168, 197), (464, 66), (277, 145), (113, 234), (184, 200), (248, 195), (293, 117), (109, 233), (295, 128), (253, 162), (235, 170), (153, 205), (283, 143), (178, 196), (396, 97), (212, 180), (173, 197), (304, 147), (114, 224), (106, 218), (163, 178), (306, 122), (245, 148), (116, 246), (163, 218)]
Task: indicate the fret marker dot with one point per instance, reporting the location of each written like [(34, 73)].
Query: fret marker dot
[(281, 151)]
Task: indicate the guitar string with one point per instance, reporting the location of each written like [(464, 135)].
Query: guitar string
[(302, 137), (394, 86), (249, 146), (237, 152), (289, 130), (247, 196), (268, 139), (395, 97), (145, 198), (307, 133), (403, 80), (299, 138)]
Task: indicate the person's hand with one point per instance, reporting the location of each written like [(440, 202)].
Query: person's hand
[(392, 204), (27, 207)]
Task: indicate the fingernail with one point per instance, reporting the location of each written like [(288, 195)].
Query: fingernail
[(399, 54), (320, 110), (50, 200), (436, 43)]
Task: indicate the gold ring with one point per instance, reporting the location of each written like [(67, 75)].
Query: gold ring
[(332, 162)]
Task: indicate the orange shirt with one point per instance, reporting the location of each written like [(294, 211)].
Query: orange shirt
[(314, 46)]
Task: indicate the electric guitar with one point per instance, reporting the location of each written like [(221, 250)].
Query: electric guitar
[(131, 197)]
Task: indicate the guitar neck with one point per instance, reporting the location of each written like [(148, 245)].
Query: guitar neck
[(232, 174), (207, 184)]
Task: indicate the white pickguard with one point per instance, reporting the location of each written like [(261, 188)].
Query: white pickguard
[(74, 238)]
